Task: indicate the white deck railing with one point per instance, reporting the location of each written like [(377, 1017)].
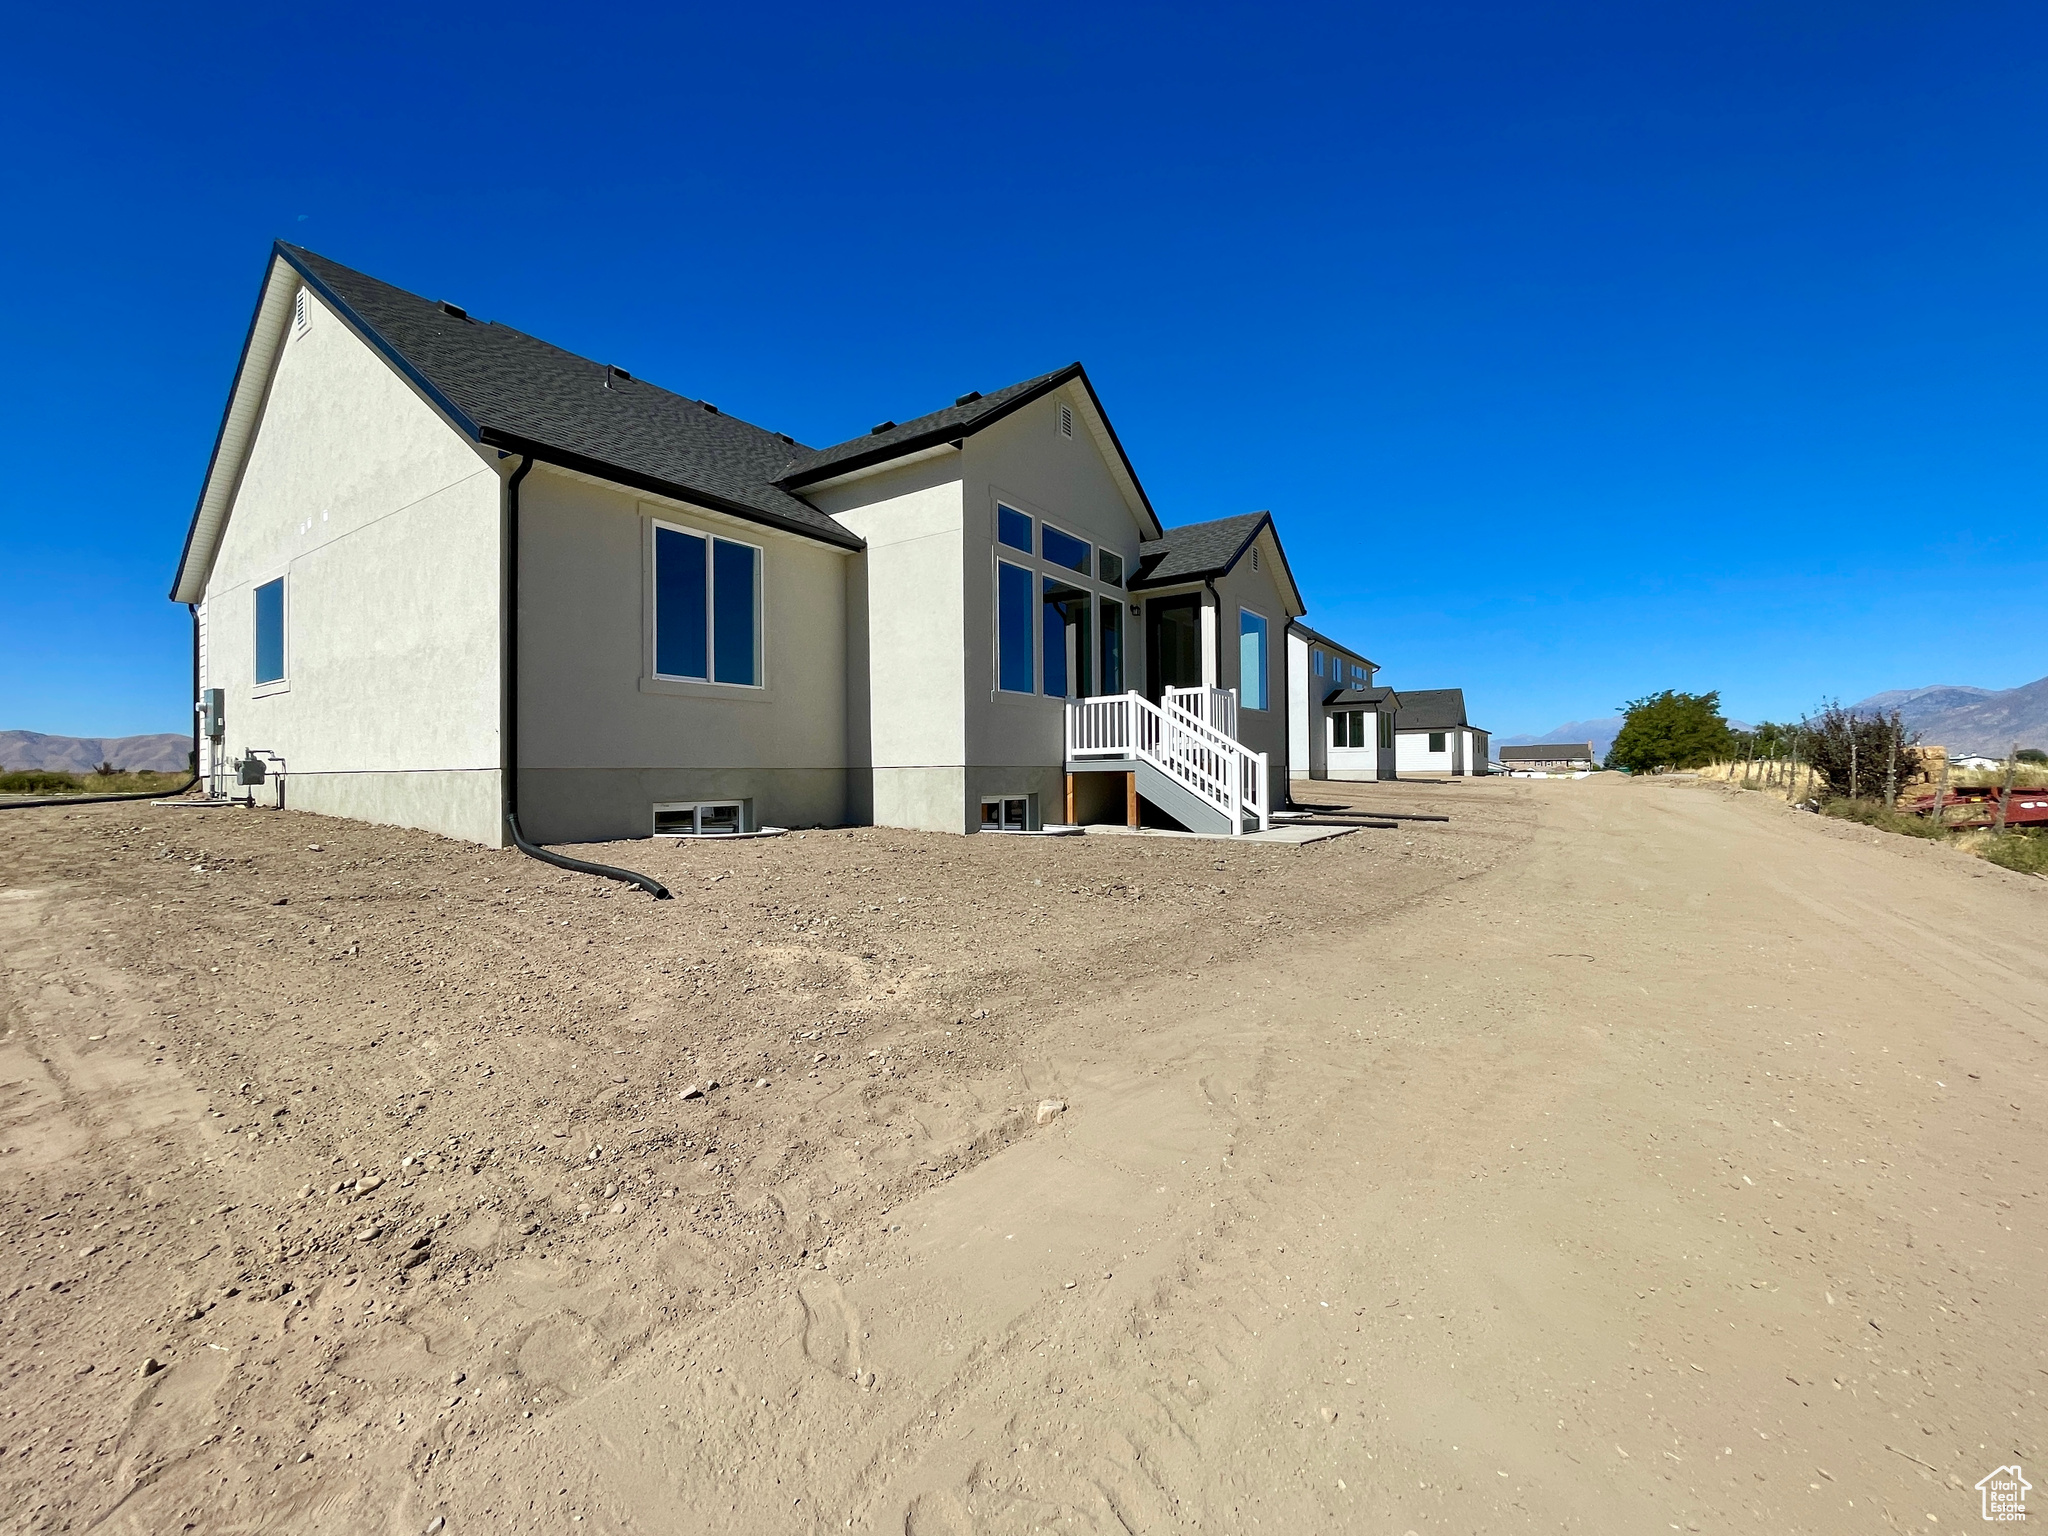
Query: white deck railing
[(1218, 769), (1212, 706)]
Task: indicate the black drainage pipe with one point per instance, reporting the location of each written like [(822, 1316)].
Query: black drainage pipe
[(647, 883)]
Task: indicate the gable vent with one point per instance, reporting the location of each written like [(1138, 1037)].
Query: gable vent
[(301, 312), (1066, 419), (1255, 557)]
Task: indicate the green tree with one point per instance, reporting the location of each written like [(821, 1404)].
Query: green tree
[(1671, 730)]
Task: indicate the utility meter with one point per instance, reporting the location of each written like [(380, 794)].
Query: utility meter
[(249, 771), (213, 713)]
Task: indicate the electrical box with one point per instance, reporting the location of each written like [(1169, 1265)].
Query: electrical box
[(213, 713), (249, 771)]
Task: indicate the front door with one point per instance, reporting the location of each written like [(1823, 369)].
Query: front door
[(1173, 644)]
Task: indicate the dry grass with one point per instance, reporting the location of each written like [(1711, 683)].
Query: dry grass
[(1779, 780)]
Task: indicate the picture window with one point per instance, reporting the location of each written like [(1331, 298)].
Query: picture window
[(707, 608)]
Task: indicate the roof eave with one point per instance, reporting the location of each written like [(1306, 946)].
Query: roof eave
[(843, 538), (238, 420), (935, 437)]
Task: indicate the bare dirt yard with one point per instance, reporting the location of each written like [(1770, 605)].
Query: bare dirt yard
[(1612, 1157)]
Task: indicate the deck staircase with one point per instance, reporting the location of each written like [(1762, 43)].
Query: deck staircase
[(1184, 752)]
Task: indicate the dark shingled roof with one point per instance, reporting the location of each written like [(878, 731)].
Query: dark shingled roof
[(517, 392), (1431, 709), (1196, 551), (1317, 637), (924, 432), (1340, 698)]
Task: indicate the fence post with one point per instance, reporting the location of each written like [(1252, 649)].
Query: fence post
[(1853, 785), (2012, 763), (1891, 773)]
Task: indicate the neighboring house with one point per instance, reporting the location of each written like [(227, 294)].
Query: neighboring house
[(446, 573), (1339, 725), (1432, 735), (1548, 757), (1976, 760)]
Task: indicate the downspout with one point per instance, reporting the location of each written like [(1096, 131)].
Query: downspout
[(147, 794), (510, 668)]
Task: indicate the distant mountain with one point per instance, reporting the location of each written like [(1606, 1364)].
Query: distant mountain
[(1966, 719), (81, 754), (1599, 732)]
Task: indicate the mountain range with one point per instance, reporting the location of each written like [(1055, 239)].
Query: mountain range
[(1966, 719), (164, 753), (1952, 715)]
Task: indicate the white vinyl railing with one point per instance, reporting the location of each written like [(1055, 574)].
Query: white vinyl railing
[(1212, 706), (1216, 768)]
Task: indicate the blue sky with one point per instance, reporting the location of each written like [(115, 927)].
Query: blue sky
[(1581, 350)]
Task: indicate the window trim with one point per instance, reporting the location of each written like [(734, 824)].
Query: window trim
[(1266, 647), (263, 688), (1030, 575), (697, 809), (711, 538)]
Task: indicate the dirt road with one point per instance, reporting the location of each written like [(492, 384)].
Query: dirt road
[(1619, 1157)]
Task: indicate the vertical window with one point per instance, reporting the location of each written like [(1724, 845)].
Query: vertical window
[(1054, 625), (735, 572), (1014, 671), (1112, 645), (681, 605), (707, 608), (270, 632), (1251, 659), (1386, 730), (1319, 662), (1013, 528), (1109, 566)]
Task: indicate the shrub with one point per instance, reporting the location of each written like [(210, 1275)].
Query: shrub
[(1854, 753), (40, 781), (2026, 852), (1875, 813)]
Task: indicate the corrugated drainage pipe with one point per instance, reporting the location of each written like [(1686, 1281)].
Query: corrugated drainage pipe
[(147, 794), (647, 883)]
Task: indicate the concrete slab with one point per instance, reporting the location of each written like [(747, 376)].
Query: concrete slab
[(1293, 835)]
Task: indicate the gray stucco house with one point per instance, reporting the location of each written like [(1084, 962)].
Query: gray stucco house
[(444, 574)]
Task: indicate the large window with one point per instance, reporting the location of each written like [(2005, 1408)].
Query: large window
[(1251, 662), (1014, 671), (707, 608), (1112, 645), (1347, 728), (1065, 632), (270, 632)]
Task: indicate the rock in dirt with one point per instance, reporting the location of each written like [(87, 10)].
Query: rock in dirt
[(150, 1367), (365, 1185), (369, 1234), (1050, 1110), (691, 1092)]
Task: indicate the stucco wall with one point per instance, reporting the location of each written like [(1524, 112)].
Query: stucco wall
[(1261, 590), (602, 739), (384, 522), (1025, 462), (905, 729)]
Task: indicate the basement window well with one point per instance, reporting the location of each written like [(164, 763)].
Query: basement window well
[(1006, 813), (701, 818)]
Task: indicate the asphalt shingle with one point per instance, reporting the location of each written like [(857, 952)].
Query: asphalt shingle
[(515, 389)]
